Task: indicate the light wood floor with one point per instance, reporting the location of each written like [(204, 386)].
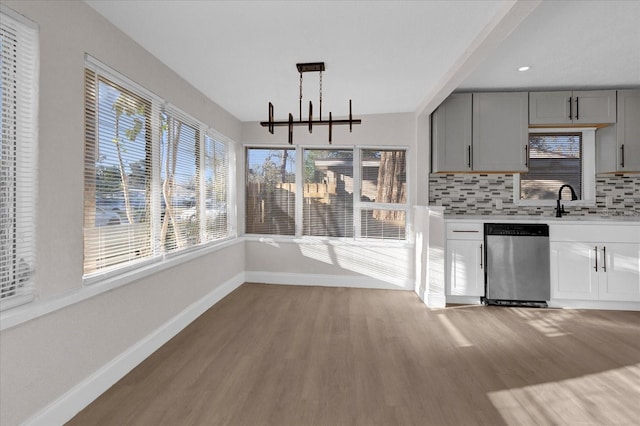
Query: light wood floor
[(288, 355)]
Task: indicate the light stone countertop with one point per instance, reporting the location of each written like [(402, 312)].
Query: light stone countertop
[(567, 219)]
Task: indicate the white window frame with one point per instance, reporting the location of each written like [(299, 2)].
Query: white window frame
[(24, 173), (358, 204), (588, 196), (300, 189)]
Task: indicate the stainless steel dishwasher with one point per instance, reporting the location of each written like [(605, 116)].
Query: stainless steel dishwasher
[(517, 264)]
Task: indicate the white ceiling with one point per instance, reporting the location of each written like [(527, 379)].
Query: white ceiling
[(567, 44), (388, 56)]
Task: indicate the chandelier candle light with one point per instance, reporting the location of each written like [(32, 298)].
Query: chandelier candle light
[(302, 68)]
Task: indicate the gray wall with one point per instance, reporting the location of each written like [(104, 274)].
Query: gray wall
[(43, 358)]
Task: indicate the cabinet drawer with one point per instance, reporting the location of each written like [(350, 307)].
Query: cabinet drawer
[(595, 233), (465, 231)]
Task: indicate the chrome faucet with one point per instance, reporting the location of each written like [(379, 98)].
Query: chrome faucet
[(560, 208)]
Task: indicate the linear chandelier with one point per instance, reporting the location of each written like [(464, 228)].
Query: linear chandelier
[(302, 68)]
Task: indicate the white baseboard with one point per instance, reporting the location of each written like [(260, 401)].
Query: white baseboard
[(464, 300), (72, 402), (435, 300), (561, 303), (594, 304), (323, 280)]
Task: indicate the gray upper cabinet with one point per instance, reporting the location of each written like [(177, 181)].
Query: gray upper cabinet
[(572, 107), (628, 131), (482, 132), (550, 108), (500, 132), (451, 127)]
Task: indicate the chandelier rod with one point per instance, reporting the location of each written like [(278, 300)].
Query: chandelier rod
[(290, 123)]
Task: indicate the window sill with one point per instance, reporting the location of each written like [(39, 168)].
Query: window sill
[(364, 242), (553, 203)]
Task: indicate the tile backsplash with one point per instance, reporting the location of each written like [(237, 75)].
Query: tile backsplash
[(482, 194)]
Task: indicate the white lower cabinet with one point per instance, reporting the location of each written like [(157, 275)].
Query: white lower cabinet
[(465, 268), (598, 270), (593, 262), (465, 259), (572, 276), (619, 272)]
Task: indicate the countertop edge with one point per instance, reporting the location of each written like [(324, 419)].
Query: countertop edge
[(612, 220)]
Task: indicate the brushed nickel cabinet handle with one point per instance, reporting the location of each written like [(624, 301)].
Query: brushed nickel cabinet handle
[(604, 259), (570, 108), (596, 253), (577, 109)]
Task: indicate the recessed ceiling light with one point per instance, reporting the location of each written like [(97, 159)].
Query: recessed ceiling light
[(525, 68)]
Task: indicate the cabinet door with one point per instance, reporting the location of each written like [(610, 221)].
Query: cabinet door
[(619, 269), (452, 134), (550, 108), (594, 107), (465, 268), (573, 273), (578, 107), (628, 131), (500, 132)]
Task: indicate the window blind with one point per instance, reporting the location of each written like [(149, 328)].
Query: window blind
[(216, 183), (383, 194), (555, 159), (154, 176), (270, 191), (179, 159), (18, 165), (328, 193), (117, 213), (344, 193)]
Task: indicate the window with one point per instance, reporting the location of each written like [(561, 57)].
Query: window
[(558, 157), (117, 219), (216, 184), (345, 193), (270, 191), (384, 194), (181, 201), (554, 160), (328, 193), (18, 83), (156, 180)]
